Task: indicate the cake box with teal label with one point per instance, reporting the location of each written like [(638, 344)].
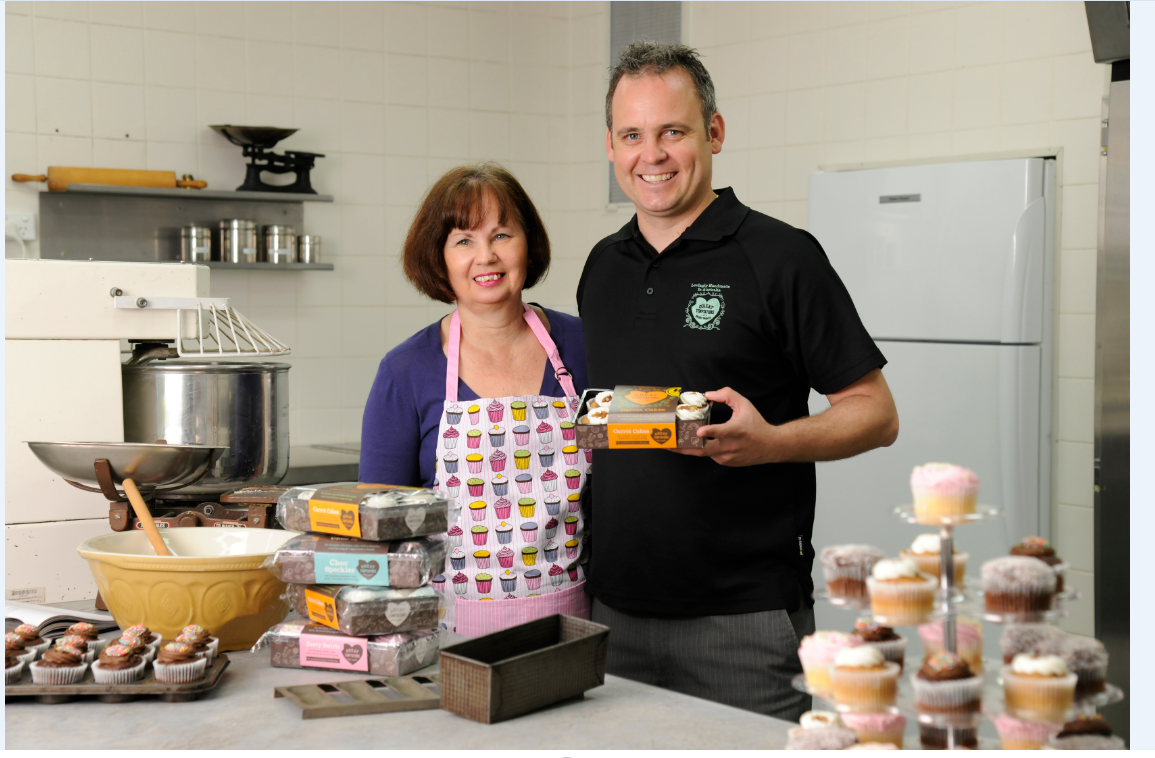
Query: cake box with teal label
[(352, 563)]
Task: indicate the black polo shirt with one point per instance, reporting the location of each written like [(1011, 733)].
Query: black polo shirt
[(740, 300)]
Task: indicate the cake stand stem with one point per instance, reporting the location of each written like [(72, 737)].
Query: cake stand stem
[(946, 553)]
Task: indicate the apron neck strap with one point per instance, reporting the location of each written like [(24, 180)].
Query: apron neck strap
[(453, 359)]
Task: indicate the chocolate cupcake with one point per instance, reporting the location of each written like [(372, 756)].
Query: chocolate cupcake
[(946, 684), (147, 636), (13, 668), (883, 638), (199, 637), (1023, 638), (14, 647), (935, 737), (60, 665), (31, 638), (118, 664), (90, 634), (178, 663), (79, 644), (1085, 657), (1018, 585), (1037, 547), (1086, 733), (846, 568), (136, 644)]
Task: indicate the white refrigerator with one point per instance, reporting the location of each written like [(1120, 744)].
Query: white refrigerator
[(950, 267)]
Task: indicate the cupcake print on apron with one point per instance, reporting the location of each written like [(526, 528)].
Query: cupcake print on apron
[(516, 523)]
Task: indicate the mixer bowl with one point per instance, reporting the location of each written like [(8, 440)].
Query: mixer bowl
[(215, 580)]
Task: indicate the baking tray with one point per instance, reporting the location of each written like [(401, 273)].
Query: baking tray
[(117, 693), (364, 696), (524, 668)]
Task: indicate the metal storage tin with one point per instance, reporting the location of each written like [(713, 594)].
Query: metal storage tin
[(280, 244), (195, 243), (238, 240), (309, 248)]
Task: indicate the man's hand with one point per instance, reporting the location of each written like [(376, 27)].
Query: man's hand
[(745, 440)]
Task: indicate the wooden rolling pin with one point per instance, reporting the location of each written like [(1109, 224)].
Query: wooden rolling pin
[(59, 178)]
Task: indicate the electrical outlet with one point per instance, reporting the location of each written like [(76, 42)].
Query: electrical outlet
[(25, 224)]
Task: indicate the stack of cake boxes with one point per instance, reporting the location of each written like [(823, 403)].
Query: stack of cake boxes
[(360, 576)]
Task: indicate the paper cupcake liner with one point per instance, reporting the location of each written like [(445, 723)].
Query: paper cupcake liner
[(902, 603), (62, 675), (846, 581), (1087, 742), (892, 650), (877, 727), (1091, 680), (117, 676), (27, 656), (12, 675), (945, 501), (935, 737), (1038, 698), (864, 689), (931, 564), (39, 649), (1016, 734), (1016, 598), (180, 673), (953, 696)]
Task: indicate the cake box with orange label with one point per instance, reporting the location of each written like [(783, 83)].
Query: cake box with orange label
[(639, 418)]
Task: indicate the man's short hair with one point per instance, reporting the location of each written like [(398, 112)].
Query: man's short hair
[(649, 57)]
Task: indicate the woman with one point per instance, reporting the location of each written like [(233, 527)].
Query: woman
[(488, 434)]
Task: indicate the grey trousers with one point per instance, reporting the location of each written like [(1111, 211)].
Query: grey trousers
[(745, 660)]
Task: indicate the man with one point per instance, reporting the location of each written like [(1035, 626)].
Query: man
[(701, 565)]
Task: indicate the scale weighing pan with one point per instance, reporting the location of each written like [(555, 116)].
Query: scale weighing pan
[(263, 137), (154, 467)]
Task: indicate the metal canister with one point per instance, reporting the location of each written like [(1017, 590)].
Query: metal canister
[(239, 240), (280, 244), (309, 248), (195, 243)]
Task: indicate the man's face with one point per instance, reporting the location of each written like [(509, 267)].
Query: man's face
[(661, 150)]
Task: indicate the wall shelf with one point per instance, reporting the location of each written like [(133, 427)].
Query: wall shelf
[(203, 194), (226, 266)]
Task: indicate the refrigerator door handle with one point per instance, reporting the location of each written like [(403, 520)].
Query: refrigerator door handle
[(1019, 369), (1022, 320)]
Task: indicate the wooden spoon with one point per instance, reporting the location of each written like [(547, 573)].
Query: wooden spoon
[(145, 517)]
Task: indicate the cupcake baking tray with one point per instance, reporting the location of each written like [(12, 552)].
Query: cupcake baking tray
[(148, 686)]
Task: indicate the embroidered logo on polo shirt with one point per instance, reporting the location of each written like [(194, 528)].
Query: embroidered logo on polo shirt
[(706, 307)]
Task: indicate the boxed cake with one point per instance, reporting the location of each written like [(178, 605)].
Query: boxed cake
[(320, 559), (300, 644), (634, 417), (374, 512), (365, 611)]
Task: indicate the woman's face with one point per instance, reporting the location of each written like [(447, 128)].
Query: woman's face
[(487, 265)]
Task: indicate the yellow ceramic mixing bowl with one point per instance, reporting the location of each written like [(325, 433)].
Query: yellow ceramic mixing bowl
[(215, 580)]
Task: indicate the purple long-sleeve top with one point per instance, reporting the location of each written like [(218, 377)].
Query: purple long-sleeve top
[(399, 430)]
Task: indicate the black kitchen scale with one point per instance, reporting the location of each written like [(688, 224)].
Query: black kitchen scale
[(256, 143)]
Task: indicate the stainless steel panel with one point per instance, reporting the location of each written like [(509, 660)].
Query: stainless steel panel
[(1113, 405)]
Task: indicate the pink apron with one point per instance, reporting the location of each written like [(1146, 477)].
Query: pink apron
[(514, 477)]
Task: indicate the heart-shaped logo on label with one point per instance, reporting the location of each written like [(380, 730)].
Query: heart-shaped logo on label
[(704, 311), (329, 612), (422, 648), (395, 613), (352, 653), (646, 398), (414, 518), (661, 436), (368, 569), (347, 519)]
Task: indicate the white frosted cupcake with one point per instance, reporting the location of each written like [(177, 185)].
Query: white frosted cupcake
[(820, 730), (899, 593), (926, 552), (1038, 688), (862, 680), (118, 664), (60, 665)]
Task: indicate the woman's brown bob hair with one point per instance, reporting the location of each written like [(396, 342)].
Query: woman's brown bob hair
[(457, 201)]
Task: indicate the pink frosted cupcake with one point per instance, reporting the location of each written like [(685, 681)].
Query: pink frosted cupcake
[(544, 431), (453, 484), (505, 557), (450, 438), (968, 635), (455, 534), (495, 410), (549, 480), (943, 490), (817, 655), (501, 508), (497, 461), (877, 727), (1015, 734)]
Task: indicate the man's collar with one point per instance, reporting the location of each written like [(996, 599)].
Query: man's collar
[(720, 219)]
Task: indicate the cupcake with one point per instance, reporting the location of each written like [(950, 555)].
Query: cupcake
[(473, 440), (573, 478), (560, 409), (926, 552), (532, 579), (1015, 734), (551, 551), (504, 533), (862, 680), (454, 535), (31, 638), (1086, 733), (449, 438), (118, 664), (549, 480), (540, 410), (886, 728), (14, 647), (575, 502), (473, 461), (529, 532), (1038, 687), (544, 433), (569, 453), (817, 653), (438, 583), (572, 570), (500, 484), (552, 504), (938, 737), (505, 557), (529, 555), (483, 583), (1024, 638), (496, 436), (477, 510), (137, 645), (501, 508), (968, 635), (1018, 585), (883, 638), (13, 668), (555, 575), (59, 665), (473, 412), (450, 460), (476, 487), (480, 534), (567, 430), (199, 637), (1037, 547), (495, 410), (497, 461), (571, 548), (457, 558), (508, 580), (899, 594), (453, 414), (453, 484), (524, 483), (79, 644), (942, 490), (846, 568), (178, 663), (1085, 657), (873, 745), (521, 459), (589, 454), (460, 583), (550, 528), (521, 435), (517, 408), (90, 633), (946, 684), (571, 525), (820, 730), (526, 506), (545, 456)]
